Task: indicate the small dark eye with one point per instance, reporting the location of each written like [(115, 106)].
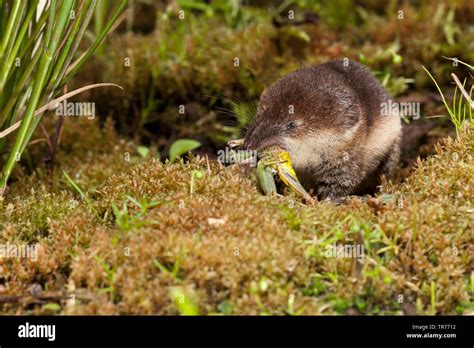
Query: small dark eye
[(291, 125)]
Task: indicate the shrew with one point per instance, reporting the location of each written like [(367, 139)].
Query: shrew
[(329, 118)]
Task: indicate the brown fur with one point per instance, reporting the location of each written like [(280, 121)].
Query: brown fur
[(339, 142)]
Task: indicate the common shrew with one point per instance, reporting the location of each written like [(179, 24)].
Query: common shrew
[(330, 119)]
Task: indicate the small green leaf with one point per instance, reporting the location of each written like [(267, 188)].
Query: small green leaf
[(298, 33), (225, 307), (265, 178), (184, 302), (143, 151), (51, 307), (182, 146)]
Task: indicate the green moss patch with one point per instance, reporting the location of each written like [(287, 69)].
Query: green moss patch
[(158, 247)]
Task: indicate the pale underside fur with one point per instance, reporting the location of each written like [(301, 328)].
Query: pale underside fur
[(335, 164)]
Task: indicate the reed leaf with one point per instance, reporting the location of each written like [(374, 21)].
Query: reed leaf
[(36, 61)]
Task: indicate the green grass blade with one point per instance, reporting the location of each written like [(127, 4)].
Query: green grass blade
[(5, 116), (51, 42), (14, 33), (14, 18), (78, 64), (451, 112), (84, 197), (5, 72), (39, 82), (58, 77)]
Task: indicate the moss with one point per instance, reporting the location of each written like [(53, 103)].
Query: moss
[(226, 243)]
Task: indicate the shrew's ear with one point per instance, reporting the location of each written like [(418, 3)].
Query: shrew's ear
[(343, 119), (351, 116), (352, 119)]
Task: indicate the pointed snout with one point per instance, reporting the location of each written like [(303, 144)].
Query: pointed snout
[(260, 137)]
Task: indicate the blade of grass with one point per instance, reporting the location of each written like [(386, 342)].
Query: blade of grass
[(13, 18), (66, 49), (50, 44), (440, 92), (14, 33), (57, 78), (5, 115), (5, 71), (40, 80), (84, 197), (77, 64)]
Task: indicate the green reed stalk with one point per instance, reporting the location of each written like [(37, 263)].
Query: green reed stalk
[(36, 61)]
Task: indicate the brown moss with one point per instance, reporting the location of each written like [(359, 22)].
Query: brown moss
[(235, 251)]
